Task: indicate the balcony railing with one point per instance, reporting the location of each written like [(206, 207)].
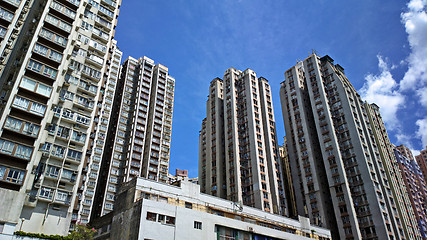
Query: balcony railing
[(64, 10), (22, 126), (6, 15), (58, 23), (103, 22), (29, 106), (42, 69), (57, 39), (47, 52), (3, 32), (13, 2), (15, 149), (12, 175)]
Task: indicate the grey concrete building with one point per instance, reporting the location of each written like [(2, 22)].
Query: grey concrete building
[(140, 136), (238, 152), (153, 210), (339, 179), (54, 86)]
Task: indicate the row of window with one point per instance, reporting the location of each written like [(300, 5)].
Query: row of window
[(15, 149), (12, 175)]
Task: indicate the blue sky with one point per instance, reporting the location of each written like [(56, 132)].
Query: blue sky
[(381, 44)]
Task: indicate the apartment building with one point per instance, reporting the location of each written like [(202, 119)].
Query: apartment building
[(54, 100), (339, 179), (422, 162), (98, 143), (140, 137), (155, 210), (238, 151), (287, 182), (14, 35), (416, 187), (405, 151), (391, 172)]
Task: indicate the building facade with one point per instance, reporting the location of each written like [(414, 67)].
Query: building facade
[(405, 151), (422, 162), (53, 97), (140, 137), (152, 210), (391, 172), (416, 187), (339, 180), (238, 151), (287, 182)]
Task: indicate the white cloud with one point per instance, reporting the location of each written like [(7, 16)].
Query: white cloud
[(415, 21), (382, 89), (422, 94), (422, 130)]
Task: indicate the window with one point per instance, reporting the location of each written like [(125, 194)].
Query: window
[(151, 216), (13, 124), (52, 171), (74, 154), (61, 196), (46, 193), (170, 220), (188, 205), (197, 225)]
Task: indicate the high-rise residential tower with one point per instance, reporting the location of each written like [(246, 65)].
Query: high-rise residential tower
[(98, 144), (339, 178), (140, 136), (422, 162), (52, 84), (238, 153), (287, 182), (405, 151), (395, 180), (416, 187)]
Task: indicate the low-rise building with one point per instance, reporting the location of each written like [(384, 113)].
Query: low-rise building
[(147, 209)]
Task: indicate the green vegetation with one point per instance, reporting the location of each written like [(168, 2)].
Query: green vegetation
[(82, 232)]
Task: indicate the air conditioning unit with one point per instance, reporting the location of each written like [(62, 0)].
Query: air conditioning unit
[(37, 185), (250, 229)]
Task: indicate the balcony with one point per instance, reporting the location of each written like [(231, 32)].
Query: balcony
[(48, 53), (109, 14), (86, 87), (42, 69), (58, 23), (22, 126), (111, 4), (3, 32), (35, 86), (95, 60), (62, 9), (103, 23), (13, 2), (15, 149), (6, 15), (29, 106), (97, 46), (92, 73), (103, 36), (11, 175), (84, 102)]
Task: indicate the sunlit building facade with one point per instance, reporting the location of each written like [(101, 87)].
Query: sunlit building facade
[(52, 85), (238, 151), (416, 188), (140, 136), (339, 179)]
